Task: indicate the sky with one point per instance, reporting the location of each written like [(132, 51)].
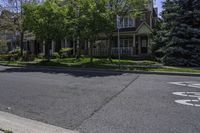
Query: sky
[(159, 5)]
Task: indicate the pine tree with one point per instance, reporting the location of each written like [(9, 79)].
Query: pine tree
[(158, 41), (163, 28), (183, 46)]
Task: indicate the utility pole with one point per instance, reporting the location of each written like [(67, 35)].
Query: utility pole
[(118, 36)]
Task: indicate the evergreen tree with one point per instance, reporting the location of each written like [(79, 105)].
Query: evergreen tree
[(163, 28), (183, 46), (158, 41)]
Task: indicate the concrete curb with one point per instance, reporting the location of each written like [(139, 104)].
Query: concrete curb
[(18, 124), (97, 70)]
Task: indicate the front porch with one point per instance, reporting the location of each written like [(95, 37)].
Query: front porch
[(130, 45)]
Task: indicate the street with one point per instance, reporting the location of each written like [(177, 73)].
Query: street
[(102, 102)]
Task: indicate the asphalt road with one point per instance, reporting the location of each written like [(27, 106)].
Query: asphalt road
[(101, 102)]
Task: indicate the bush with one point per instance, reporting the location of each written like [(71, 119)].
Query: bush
[(15, 51), (55, 56), (9, 57), (40, 56), (65, 52)]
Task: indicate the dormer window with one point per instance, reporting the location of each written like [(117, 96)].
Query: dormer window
[(127, 22)]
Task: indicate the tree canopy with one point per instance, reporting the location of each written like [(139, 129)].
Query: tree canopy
[(77, 19)]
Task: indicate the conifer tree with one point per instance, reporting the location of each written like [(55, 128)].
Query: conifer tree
[(163, 28), (183, 47)]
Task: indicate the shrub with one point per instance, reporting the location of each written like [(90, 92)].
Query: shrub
[(40, 56), (65, 52), (15, 51), (9, 57), (55, 56)]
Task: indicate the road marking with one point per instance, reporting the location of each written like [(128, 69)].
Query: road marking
[(193, 84), (188, 94), (189, 102), (18, 124)]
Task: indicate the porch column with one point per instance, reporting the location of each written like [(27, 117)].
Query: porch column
[(43, 49), (62, 43), (89, 47), (139, 45), (86, 48), (134, 45), (53, 46), (148, 44), (66, 43), (74, 47)]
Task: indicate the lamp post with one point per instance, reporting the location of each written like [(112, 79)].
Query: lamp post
[(118, 36)]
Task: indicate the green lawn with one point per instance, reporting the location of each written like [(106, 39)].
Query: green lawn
[(5, 131), (130, 65)]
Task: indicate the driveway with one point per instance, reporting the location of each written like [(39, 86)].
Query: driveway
[(101, 102)]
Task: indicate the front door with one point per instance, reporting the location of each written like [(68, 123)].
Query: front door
[(144, 45)]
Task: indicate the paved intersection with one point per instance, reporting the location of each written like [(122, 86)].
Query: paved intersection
[(96, 102)]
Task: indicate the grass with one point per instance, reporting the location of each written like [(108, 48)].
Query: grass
[(5, 131), (130, 65)]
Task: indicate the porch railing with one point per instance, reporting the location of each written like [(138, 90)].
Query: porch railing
[(124, 51), (100, 51)]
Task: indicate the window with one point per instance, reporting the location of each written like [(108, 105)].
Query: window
[(144, 43), (121, 42), (126, 43), (131, 22), (127, 22)]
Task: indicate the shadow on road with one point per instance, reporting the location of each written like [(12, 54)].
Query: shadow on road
[(69, 71)]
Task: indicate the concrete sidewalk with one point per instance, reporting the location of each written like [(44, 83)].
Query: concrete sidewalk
[(18, 124)]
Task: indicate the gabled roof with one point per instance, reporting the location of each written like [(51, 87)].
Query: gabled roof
[(144, 28)]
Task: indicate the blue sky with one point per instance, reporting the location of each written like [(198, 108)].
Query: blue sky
[(159, 5)]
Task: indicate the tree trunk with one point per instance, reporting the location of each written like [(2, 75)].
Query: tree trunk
[(47, 49)]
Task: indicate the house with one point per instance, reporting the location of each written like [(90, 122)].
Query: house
[(135, 35), (8, 34), (8, 41)]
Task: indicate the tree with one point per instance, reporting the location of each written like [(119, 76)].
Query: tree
[(13, 19), (77, 10), (47, 21), (183, 48), (89, 18), (96, 19), (162, 31), (103, 17), (158, 41)]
